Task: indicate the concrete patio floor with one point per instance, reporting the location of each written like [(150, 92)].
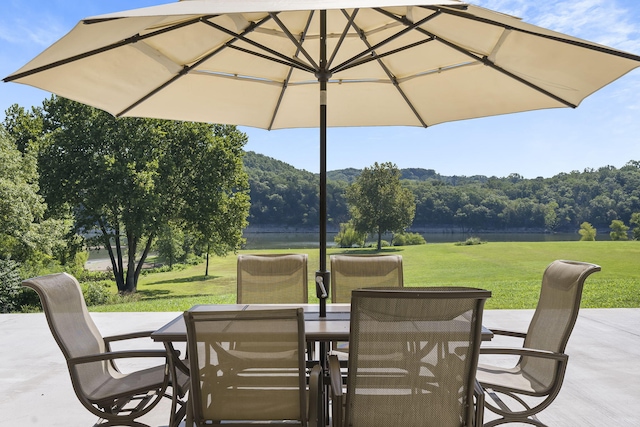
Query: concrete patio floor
[(601, 388)]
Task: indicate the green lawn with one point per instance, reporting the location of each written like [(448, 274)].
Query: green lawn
[(511, 270)]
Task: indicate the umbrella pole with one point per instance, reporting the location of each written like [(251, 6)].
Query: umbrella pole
[(322, 275)]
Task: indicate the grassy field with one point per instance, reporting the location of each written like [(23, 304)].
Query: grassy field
[(511, 270)]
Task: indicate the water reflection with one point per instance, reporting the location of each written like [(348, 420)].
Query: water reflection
[(310, 239)]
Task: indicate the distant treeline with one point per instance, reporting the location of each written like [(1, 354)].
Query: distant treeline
[(282, 195)]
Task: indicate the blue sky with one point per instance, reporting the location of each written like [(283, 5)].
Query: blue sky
[(603, 131)]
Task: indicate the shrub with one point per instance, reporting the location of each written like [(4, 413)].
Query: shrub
[(10, 288), (94, 276), (618, 230), (383, 244), (470, 242), (407, 239), (587, 231), (98, 293), (348, 237), (164, 269)]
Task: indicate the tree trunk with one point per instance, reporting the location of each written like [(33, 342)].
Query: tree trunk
[(132, 246), (206, 269), (115, 262), (379, 239), (143, 258)]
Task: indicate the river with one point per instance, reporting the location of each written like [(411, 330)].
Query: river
[(310, 240)]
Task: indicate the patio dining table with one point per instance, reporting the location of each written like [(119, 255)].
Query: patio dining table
[(322, 330)]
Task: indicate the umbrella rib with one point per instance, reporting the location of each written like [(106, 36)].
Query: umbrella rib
[(270, 58), (597, 48), (389, 53), (294, 40), (290, 61), (285, 84), (409, 27), (130, 40), (485, 60), (350, 20), (186, 69), (392, 78)]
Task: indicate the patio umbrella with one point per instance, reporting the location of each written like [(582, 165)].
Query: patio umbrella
[(315, 63)]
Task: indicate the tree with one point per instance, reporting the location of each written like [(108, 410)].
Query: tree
[(170, 243), (48, 239), (635, 220), (348, 237), (378, 202), (587, 232), (127, 177), (9, 285), (25, 236), (24, 126), (20, 204), (550, 216), (618, 230)]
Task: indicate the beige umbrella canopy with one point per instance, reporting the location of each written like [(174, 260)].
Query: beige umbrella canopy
[(257, 63), (308, 63)]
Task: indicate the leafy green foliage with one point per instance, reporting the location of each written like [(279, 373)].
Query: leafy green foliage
[(97, 293), (618, 230), (9, 285), (282, 195), (127, 177), (378, 202), (170, 244), (475, 203), (348, 237), (587, 232), (25, 235), (470, 242), (408, 239), (635, 220), (20, 204)]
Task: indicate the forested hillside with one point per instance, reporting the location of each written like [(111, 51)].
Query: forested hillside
[(282, 195)]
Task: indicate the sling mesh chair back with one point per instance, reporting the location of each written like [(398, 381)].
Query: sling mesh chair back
[(429, 384), (115, 397), (349, 272), (249, 367), (542, 363), (265, 279)]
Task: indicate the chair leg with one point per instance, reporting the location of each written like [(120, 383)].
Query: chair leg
[(105, 423), (508, 415), (500, 421)]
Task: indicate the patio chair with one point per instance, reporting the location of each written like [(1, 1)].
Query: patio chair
[(431, 383), (115, 397), (542, 361), (272, 279), (349, 272), (249, 366)]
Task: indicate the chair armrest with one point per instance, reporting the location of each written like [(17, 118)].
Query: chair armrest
[(315, 396), (508, 333), (111, 355), (335, 376), (518, 351), (128, 336)]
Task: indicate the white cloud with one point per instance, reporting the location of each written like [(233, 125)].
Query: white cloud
[(41, 31), (607, 22)]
